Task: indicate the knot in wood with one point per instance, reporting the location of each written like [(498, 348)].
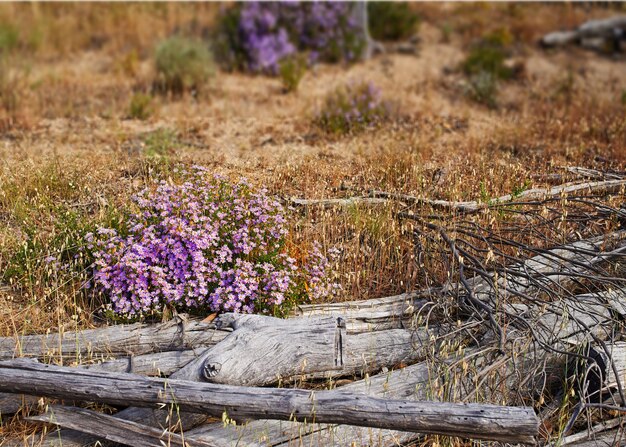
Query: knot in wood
[(211, 370)]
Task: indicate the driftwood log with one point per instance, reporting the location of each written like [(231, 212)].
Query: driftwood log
[(488, 422)]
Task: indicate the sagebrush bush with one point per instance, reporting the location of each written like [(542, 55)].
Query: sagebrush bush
[(485, 66), (183, 64), (203, 243), (489, 54), (291, 70), (482, 87), (140, 106), (257, 36), (391, 20), (352, 108)]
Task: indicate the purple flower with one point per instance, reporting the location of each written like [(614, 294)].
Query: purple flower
[(268, 32), (203, 243)]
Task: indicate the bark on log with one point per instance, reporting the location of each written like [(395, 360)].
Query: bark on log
[(417, 381), (412, 382), (162, 363), (114, 341), (314, 347), (392, 312), (488, 422), (114, 429), (304, 347)]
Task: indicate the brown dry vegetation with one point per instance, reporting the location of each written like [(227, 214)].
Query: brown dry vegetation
[(71, 156)]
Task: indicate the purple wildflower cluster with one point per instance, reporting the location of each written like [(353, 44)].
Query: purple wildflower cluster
[(353, 107), (268, 32), (203, 243)]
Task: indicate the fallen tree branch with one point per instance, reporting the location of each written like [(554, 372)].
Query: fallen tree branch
[(488, 422), (599, 187)]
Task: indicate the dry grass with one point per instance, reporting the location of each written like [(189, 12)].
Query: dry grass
[(71, 157)]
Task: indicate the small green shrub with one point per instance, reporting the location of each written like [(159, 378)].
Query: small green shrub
[(9, 37), (291, 70), (391, 20), (624, 97), (141, 106), (489, 55), (160, 143), (183, 64), (352, 108), (482, 87)]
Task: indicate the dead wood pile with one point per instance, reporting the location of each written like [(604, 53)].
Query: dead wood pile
[(517, 338)]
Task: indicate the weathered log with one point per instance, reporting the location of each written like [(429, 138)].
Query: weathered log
[(162, 363), (350, 201), (552, 269), (114, 341), (603, 29), (488, 422), (593, 433), (414, 382), (304, 347), (263, 350), (392, 312), (114, 429), (613, 438), (417, 381)]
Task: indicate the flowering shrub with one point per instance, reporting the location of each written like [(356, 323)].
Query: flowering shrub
[(352, 108), (203, 243), (257, 36)]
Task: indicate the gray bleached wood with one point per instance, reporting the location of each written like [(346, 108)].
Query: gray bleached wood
[(599, 187), (488, 422), (305, 347), (114, 341), (114, 429), (603, 28), (162, 363)]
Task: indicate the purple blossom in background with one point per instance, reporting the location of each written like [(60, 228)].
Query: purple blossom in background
[(268, 32), (203, 243)]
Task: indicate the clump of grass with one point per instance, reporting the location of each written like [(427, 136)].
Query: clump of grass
[(141, 106), (160, 143), (392, 20), (291, 70), (51, 209), (183, 64), (352, 108)]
